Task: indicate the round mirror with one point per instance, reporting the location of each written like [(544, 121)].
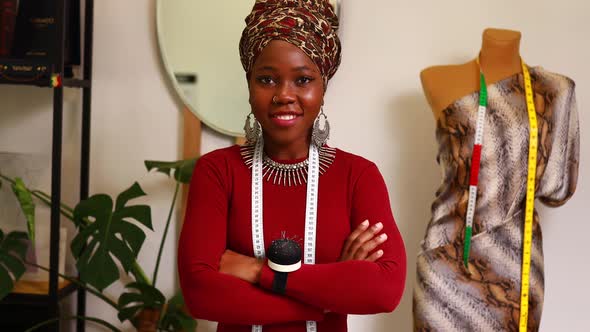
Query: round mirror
[(199, 46)]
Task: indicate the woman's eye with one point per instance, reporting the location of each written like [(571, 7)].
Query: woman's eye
[(265, 79), (304, 80)]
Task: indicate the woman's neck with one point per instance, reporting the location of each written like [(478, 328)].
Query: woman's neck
[(499, 55), (287, 151)]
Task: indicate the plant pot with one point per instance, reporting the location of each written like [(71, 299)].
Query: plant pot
[(147, 320)]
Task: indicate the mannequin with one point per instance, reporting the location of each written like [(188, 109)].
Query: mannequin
[(484, 294), (499, 58)]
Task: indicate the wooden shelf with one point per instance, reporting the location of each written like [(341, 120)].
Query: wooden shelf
[(34, 73), (37, 287), (25, 72), (36, 292)]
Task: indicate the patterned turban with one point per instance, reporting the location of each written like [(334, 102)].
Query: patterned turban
[(310, 25)]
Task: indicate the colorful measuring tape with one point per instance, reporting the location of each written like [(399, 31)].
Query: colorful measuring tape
[(313, 173), (530, 189), (475, 163)]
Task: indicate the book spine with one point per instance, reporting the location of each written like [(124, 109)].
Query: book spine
[(72, 52), (8, 10)]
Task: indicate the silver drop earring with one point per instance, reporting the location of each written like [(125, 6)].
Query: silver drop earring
[(319, 136), (252, 129)]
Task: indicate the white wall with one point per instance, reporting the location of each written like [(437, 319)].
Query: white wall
[(376, 107)]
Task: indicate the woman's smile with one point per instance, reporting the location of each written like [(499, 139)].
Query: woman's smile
[(285, 118)]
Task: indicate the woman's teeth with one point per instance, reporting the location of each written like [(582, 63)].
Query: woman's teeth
[(286, 117)]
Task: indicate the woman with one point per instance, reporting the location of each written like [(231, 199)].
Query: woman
[(243, 198)]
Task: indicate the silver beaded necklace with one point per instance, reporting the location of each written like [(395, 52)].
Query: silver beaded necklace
[(288, 174)]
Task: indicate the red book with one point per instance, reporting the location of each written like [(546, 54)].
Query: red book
[(8, 10)]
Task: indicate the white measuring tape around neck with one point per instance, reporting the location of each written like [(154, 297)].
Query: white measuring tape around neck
[(313, 176)]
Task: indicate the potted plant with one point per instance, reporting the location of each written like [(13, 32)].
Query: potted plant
[(108, 234)]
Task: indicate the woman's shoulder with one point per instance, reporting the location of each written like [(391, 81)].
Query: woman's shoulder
[(359, 170), (221, 157), (354, 162), (222, 153)]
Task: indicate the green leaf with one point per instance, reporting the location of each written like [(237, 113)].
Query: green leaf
[(13, 249), (143, 296), (16, 242), (175, 318), (133, 192), (111, 235), (25, 199), (183, 169), (127, 298), (129, 312)]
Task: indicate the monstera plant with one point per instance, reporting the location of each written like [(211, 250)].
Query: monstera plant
[(109, 235)]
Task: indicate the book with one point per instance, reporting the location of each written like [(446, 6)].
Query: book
[(72, 50), (8, 10), (36, 31)]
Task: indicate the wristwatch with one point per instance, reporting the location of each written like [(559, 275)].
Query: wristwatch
[(284, 256)]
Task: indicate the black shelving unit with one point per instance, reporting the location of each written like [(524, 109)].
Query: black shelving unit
[(51, 75)]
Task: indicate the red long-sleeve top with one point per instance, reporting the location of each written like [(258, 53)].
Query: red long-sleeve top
[(218, 217)]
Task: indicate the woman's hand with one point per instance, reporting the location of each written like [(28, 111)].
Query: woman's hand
[(241, 266), (362, 241)]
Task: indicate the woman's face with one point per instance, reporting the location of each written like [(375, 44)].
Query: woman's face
[(283, 72)]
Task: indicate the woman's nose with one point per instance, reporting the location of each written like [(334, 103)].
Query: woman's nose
[(285, 94)]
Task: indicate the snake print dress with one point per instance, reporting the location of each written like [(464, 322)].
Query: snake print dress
[(485, 296)]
